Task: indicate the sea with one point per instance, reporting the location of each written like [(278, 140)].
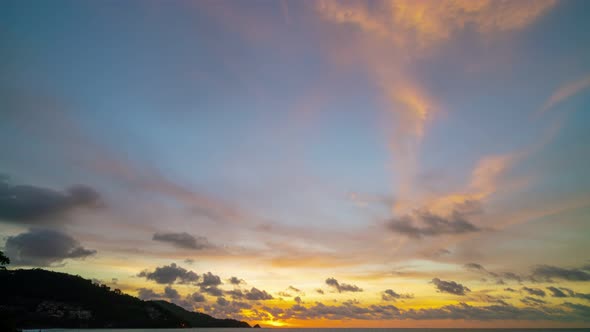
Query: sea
[(312, 330)]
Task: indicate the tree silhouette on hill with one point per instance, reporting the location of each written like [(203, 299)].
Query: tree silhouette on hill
[(3, 260)]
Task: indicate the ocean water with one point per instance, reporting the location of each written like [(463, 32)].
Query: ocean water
[(310, 330)]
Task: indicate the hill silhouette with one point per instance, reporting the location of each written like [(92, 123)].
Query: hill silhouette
[(45, 299)]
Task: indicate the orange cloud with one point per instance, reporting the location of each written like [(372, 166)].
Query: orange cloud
[(387, 37), (421, 24)]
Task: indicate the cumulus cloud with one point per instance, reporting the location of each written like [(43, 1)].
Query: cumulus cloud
[(548, 272), (210, 279), (342, 287), (254, 294), (423, 223), (391, 295), (534, 291), (182, 240), (222, 301), (44, 247), (197, 297), (209, 284), (235, 281), (212, 290), (169, 274), (28, 204), (171, 293), (228, 309), (450, 287), (147, 294), (257, 295)]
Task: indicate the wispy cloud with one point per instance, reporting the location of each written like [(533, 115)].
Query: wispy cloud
[(565, 92)]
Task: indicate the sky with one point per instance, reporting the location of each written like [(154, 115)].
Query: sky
[(305, 163)]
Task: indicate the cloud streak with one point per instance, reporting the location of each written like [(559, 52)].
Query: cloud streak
[(565, 92), (424, 223), (27, 204), (182, 240)]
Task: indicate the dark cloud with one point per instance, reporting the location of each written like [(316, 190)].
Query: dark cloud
[(209, 279), (483, 297), (235, 281), (235, 294), (257, 295), (510, 290), (511, 276), (450, 287), (197, 297), (296, 290), (254, 294), (566, 292), (229, 309), (36, 205), (425, 223), (171, 293), (222, 301), (390, 295), (212, 290), (342, 287), (209, 284), (529, 300), (534, 291), (547, 273), (465, 311), (189, 261), (147, 294), (182, 240), (169, 274), (319, 291), (580, 311), (556, 292), (44, 247), (498, 277)]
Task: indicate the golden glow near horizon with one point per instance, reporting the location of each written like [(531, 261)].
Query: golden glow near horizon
[(380, 163)]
